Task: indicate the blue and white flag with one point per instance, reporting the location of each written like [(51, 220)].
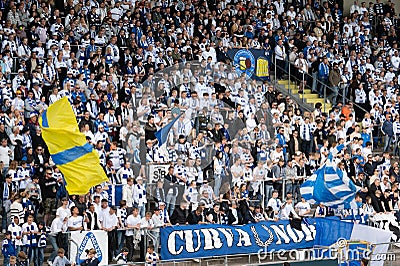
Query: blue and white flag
[(162, 134), (338, 148), (329, 185), (350, 241), (329, 236)]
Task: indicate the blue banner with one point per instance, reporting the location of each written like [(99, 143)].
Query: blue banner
[(253, 62), (198, 241), (114, 194)]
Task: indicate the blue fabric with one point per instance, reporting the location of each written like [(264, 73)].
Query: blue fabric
[(196, 241), (330, 230), (45, 122), (162, 134), (114, 194), (319, 188), (72, 154)]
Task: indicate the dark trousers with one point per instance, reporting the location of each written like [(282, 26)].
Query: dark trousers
[(321, 86), (112, 244), (142, 249), (129, 245), (280, 68), (305, 147)]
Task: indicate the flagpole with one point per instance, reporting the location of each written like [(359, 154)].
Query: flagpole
[(263, 193)]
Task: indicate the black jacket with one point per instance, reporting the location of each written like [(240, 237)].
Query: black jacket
[(92, 219), (193, 218), (91, 262), (178, 216)]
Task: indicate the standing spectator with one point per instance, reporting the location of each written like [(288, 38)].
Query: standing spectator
[(110, 225), (158, 223), (17, 209), (171, 187), (42, 243), (179, 214), (146, 225), (5, 154), (8, 248), (387, 130), (334, 81), (280, 56), (323, 75), (61, 260), (151, 256), (29, 232), (139, 193), (49, 188), (133, 226), (75, 222), (127, 192), (16, 234), (58, 227)]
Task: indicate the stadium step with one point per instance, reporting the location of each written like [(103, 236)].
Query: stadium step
[(288, 85), (308, 95), (306, 91)]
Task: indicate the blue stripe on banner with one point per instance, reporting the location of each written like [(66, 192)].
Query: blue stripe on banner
[(115, 194), (72, 154), (45, 122), (334, 183), (330, 230)]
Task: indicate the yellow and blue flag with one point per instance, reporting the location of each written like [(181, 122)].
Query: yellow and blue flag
[(76, 158)]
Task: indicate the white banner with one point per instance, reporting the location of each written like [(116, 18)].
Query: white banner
[(373, 236), (85, 240), (388, 222), (157, 172)]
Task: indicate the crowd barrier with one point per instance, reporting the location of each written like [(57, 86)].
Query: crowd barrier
[(260, 242), (80, 241)]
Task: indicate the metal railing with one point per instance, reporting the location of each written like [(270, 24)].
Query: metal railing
[(276, 258), (318, 83)]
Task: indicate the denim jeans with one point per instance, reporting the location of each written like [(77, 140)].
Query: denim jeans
[(296, 192), (170, 200), (6, 260), (217, 184), (4, 220), (388, 142), (142, 210), (319, 148), (120, 241), (314, 83), (53, 242), (32, 253), (288, 187), (396, 146), (268, 193), (333, 94), (40, 256), (156, 235)]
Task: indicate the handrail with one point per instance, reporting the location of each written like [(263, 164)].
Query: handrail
[(318, 82)]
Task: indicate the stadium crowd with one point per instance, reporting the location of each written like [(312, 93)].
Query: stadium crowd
[(238, 146)]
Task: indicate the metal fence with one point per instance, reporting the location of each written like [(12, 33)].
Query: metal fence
[(292, 79), (297, 257)]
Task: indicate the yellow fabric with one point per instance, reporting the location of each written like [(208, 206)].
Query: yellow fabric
[(61, 133)]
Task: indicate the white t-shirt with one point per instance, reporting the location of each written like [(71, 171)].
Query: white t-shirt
[(132, 221), (303, 207), (62, 213), (75, 222), (110, 221), (275, 204)]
